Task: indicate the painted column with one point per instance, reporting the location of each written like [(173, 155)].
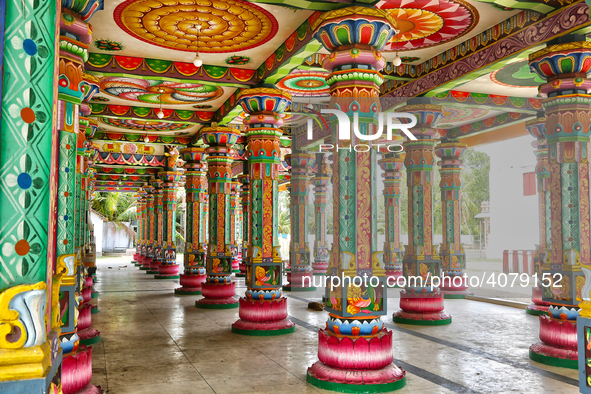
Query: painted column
[(218, 289), (245, 196), (157, 227), (142, 224), (168, 268), (537, 129), (263, 310), (234, 207), (137, 257), (453, 257), (355, 349), (320, 182), (29, 145), (299, 251), (196, 214), (148, 231), (565, 63), (392, 164), (421, 303)]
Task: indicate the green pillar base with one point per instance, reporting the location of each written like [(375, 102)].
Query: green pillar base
[(186, 292), (535, 312), (142, 268), (454, 296), (554, 361), (235, 271), (264, 333), (152, 272), (94, 295), (356, 388), (413, 322), (289, 288), (167, 277), (90, 341), (216, 306)]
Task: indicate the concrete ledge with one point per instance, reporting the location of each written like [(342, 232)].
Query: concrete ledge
[(498, 301)]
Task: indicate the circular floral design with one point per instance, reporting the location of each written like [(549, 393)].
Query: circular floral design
[(226, 25), (237, 60), (426, 23), (156, 92), (108, 45), (140, 125), (302, 83), (516, 75)]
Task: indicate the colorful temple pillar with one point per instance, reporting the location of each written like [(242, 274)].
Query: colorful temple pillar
[(537, 129), (137, 256), (263, 310), (149, 223), (142, 224), (30, 141), (218, 290), (245, 199), (453, 257), (320, 181), (234, 223), (196, 214), (171, 177), (565, 64), (421, 301), (156, 227), (299, 251), (355, 349), (392, 164)]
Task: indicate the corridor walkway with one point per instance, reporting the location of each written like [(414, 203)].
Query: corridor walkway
[(156, 342)]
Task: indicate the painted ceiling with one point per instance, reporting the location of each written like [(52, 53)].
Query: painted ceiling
[(142, 56)]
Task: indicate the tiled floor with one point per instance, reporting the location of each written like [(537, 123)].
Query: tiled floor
[(156, 342)]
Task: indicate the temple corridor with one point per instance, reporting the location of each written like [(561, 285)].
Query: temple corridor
[(156, 342)]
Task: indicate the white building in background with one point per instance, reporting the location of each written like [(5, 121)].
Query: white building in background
[(513, 196), (98, 221)]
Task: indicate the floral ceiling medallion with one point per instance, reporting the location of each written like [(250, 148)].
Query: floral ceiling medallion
[(226, 25)]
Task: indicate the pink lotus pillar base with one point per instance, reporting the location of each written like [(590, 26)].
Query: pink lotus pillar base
[(296, 281), (218, 296), (168, 271), (537, 307), (421, 309), (319, 267), (558, 344), (146, 262), (356, 361), (77, 372), (263, 318), (394, 275), (190, 284)]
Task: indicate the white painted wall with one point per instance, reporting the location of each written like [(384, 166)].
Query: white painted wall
[(513, 217), (116, 239), (97, 222)]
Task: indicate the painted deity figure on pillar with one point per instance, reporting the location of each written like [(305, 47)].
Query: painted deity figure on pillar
[(300, 275), (565, 63), (148, 231), (537, 129), (392, 164), (453, 257), (320, 180), (245, 197), (156, 227), (219, 290), (355, 348), (196, 242), (421, 303), (170, 176), (263, 309)]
